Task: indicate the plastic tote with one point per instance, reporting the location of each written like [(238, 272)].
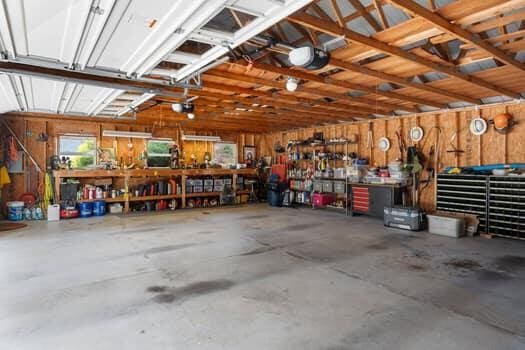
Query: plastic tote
[(15, 211), (99, 208)]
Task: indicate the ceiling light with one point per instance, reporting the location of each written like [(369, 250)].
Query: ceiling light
[(291, 84), (201, 138), (309, 57), (127, 134), (191, 116), (177, 107)]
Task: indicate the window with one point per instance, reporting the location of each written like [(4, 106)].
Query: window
[(159, 155), (81, 150)]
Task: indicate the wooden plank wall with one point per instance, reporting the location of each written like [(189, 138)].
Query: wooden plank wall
[(489, 148), (27, 129)]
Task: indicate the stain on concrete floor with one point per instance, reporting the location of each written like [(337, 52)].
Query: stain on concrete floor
[(170, 295)]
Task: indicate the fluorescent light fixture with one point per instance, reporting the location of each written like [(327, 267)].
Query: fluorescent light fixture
[(201, 138), (127, 134)]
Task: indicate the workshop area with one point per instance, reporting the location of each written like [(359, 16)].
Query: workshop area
[(270, 174)]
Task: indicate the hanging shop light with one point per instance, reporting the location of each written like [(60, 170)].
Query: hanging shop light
[(291, 84)]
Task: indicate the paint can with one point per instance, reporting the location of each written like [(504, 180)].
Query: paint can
[(86, 209), (15, 211), (99, 208)]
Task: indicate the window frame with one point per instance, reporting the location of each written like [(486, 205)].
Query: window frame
[(78, 137), (170, 142)]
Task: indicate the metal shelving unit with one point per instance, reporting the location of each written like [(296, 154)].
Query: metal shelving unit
[(506, 206), (464, 194)]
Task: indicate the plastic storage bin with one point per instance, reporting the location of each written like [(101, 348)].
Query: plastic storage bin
[(446, 225), (323, 199), (15, 211)]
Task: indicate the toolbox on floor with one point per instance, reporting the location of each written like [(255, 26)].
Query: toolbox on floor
[(407, 218)]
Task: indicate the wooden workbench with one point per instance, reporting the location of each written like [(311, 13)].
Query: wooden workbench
[(126, 175)]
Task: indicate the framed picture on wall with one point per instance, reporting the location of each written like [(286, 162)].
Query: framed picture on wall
[(107, 156), (225, 153), (17, 166), (249, 154)]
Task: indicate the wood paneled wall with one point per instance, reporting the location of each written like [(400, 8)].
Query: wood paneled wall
[(27, 129), (439, 129)]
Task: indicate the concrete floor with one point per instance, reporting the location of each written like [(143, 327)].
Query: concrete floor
[(256, 278)]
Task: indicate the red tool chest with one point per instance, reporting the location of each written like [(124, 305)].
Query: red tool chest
[(360, 199)]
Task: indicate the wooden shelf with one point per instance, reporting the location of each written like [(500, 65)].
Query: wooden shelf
[(153, 198), (203, 194), (107, 200), (152, 172)]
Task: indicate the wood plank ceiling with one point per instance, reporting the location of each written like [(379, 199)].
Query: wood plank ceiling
[(463, 53)]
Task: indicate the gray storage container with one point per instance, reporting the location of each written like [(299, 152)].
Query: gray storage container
[(407, 218), (318, 186), (328, 186), (446, 225), (339, 186)]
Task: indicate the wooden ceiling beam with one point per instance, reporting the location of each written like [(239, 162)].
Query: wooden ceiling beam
[(403, 81), (279, 106), (300, 74), (300, 88), (272, 97), (356, 14), (337, 13), (381, 14), (457, 31), (333, 29), (356, 4)]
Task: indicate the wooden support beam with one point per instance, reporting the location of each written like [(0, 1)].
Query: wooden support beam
[(356, 4), (403, 81), (333, 29), (334, 108), (457, 31), (356, 14), (381, 14), (337, 13), (346, 84), (249, 102), (318, 92)]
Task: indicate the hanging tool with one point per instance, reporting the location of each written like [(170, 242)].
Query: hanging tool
[(38, 168), (402, 145)]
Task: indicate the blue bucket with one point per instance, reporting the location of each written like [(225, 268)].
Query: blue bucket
[(15, 211), (99, 208), (85, 209)]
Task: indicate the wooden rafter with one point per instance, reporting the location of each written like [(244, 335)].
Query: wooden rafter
[(401, 81), (330, 107), (333, 29), (356, 14), (381, 14), (318, 92), (337, 12), (457, 31), (356, 4), (349, 85)]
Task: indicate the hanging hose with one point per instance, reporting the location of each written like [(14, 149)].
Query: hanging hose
[(48, 193)]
